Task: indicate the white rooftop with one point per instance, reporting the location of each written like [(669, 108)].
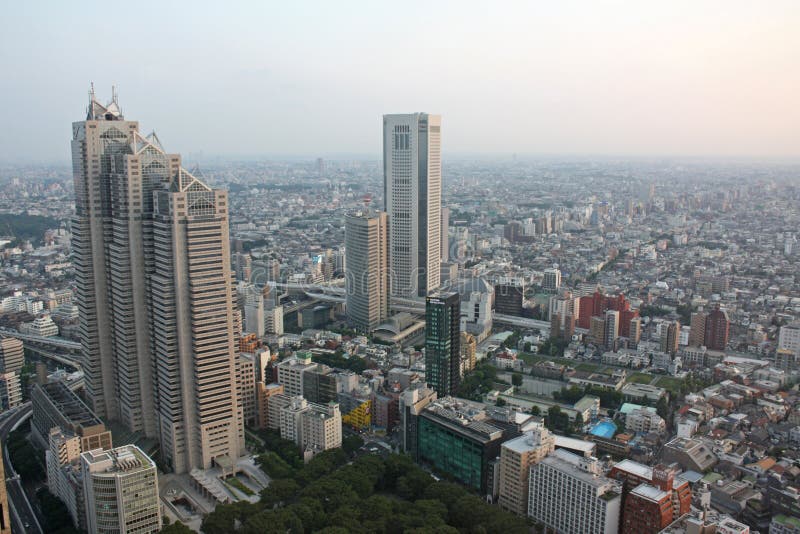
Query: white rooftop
[(649, 492), (640, 470), (575, 444)]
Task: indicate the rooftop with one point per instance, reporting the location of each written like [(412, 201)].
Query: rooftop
[(70, 405), (651, 493), (635, 468)]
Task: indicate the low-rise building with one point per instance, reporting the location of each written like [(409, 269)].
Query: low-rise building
[(690, 454), (644, 421)]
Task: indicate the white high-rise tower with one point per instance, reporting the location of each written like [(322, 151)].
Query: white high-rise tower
[(412, 192)]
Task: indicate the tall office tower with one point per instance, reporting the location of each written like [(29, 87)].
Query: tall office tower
[(552, 280), (154, 292), (697, 331), (412, 193), (516, 458), (611, 328), (443, 342), (367, 271), (717, 329), (121, 491), (670, 337), (445, 237), (12, 355), (569, 494), (5, 519), (194, 337)]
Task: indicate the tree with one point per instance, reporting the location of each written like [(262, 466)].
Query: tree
[(662, 408), (516, 379), (352, 443), (413, 485), (175, 528), (535, 410), (279, 491), (274, 466), (578, 423)]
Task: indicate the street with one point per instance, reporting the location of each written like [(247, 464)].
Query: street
[(23, 518)]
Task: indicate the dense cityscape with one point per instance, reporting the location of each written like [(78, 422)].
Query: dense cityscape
[(364, 267), (406, 345)]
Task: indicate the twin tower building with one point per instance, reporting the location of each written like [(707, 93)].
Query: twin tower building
[(154, 286), (154, 291), (398, 252)]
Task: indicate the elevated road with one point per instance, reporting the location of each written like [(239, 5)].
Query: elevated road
[(23, 518), (54, 341)]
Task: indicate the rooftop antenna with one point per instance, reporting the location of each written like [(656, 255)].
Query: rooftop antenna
[(91, 90), (114, 94)]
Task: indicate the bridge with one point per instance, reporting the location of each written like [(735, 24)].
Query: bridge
[(41, 344), (54, 341), (60, 358)]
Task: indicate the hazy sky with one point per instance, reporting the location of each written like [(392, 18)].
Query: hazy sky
[(313, 78)]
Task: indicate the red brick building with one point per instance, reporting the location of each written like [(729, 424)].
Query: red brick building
[(597, 305), (652, 498)]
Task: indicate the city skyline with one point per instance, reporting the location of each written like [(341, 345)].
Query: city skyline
[(553, 285), (594, 79)]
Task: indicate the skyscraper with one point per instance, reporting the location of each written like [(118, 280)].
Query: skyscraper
[(443, 342), (445, 237), (412, 192), (154, 292), (367, 269)]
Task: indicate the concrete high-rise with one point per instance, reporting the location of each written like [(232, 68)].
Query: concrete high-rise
[(789, 338), (516, 458), (443, 342), (670, 337), (412, 193), (551, 281), (611, 328), (121, 491), (445, 235), (717, 329), (12, 355), (569, 494), (154, 292), (697, 331), (367, 269)]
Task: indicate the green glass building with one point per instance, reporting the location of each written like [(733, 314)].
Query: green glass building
[(443, 342), (452, 441)]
